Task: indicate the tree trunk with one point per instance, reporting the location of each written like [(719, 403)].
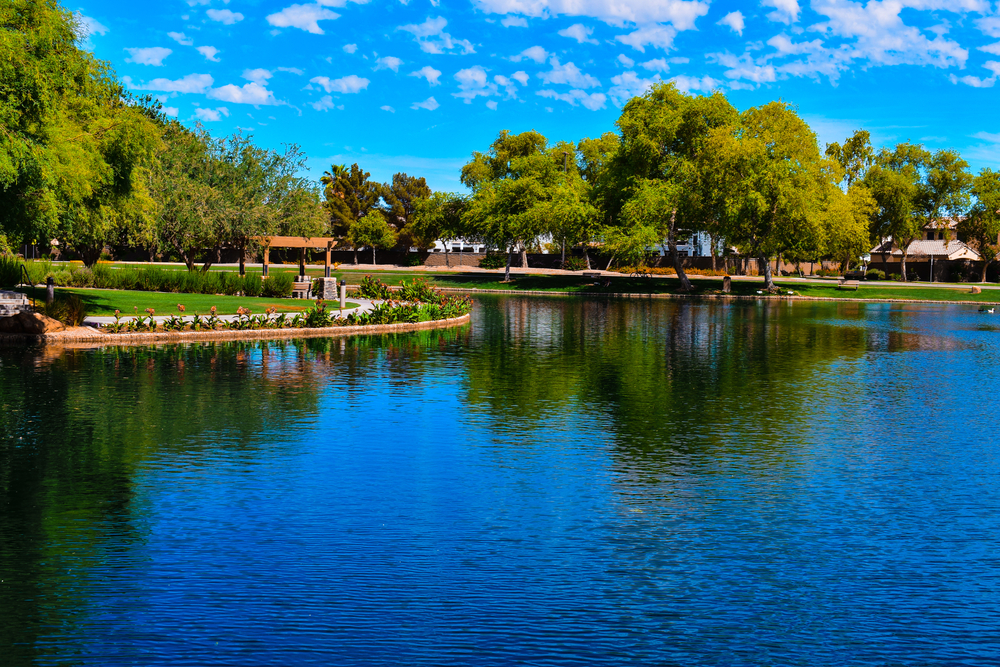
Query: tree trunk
[(243, 260), (678, 263), (608, 267), (902, 266), (506, 271), (447, 257), (562, 264), (524, 256), (373, 257), (711, 240), (586, 256), (90, 255), (355, 256), (768, 277), (986, 265), (217, 251)]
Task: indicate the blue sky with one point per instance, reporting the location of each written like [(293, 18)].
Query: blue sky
[(416, 86)]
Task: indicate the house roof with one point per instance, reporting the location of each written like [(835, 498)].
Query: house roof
[(942, 223), (938, 249)]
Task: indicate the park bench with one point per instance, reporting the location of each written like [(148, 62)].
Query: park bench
[(848, 284), (301, 289), (591, 274)]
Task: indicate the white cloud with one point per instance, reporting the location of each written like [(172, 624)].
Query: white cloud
[(785, 11), (388, 108), (180, 38), (627, 85), (350, 48), (224, 16), (192, 83), (432, 38), (389, 62), (536, 53), (430, 104), (153, 55), (258, 75), (989, 26), (689, 83), (171, 111), (655, 65), (89, 25), (568, 74), (993, 49), (473, 82), (211, 115), (514, 22), (521, 77), (507, 84), (324, 103), (592, 101), (681, 13), (579, 32), (745, 67), (976, 82), (291, 70), (303, 17), (351, 83), (251, 93), (734, 20), (209, 52), (625, 60), (492, 105), (429, 73), (655, 35)]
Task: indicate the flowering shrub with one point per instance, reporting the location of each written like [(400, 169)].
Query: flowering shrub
[(373, 288)]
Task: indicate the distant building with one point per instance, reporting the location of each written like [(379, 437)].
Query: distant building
[(938, 241)]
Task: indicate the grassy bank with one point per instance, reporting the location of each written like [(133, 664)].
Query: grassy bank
[(104, 302)]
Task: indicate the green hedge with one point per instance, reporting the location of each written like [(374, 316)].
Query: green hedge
[(155, 279)]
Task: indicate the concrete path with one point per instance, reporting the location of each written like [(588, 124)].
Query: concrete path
[(333, 307)]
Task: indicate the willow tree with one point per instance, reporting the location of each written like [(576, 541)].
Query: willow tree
[(772, 180), (74, 140), (665, 159)]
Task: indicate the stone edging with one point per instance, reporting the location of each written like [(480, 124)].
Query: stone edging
[(99, 339)]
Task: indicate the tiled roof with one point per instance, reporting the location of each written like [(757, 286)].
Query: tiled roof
[(923, 248)]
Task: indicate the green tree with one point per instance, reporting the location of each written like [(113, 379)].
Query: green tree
[(981, 227), (349, 195), (855, 156), (438, 217), (372, 231), (772, 180), (512, 184), (664, 159), (401, 197)]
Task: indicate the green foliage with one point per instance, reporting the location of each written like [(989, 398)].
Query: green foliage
[(349, 196), (278, 285), (373, 288), (438, 216), (70, 310), (401, 197), (574, 264), (10, 271), (418, 290), (875, 274), (493, 260), (372, 231)]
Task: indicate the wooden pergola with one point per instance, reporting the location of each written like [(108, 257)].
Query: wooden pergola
[(301, 242)]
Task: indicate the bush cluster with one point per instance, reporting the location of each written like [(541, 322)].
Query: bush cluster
[(155, 279), (390, 312), (493, 260)]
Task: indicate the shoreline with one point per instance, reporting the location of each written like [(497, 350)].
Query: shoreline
[(88, 337)]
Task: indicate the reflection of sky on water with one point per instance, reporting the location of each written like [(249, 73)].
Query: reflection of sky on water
[(564, 481)]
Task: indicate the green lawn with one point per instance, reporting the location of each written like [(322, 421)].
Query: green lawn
[(104, 302)]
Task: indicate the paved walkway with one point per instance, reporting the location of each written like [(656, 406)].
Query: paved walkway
[(364, 305)]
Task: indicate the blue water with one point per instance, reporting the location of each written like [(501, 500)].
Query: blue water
[(561, 482)]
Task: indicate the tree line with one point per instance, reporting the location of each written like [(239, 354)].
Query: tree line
[(84, 161)]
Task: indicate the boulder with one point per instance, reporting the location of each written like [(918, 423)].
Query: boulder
[(977, 290), (30, 323)]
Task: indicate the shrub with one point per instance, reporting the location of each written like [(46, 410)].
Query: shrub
[(418, 291), (828, 273), (373, 288), (895, 276), (252, 285), (70, 310), (413, 259), (277, 285), (10, 271), (574, 264), (875, 274), (493, 260)]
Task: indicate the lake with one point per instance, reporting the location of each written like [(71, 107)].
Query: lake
[(563, 481)]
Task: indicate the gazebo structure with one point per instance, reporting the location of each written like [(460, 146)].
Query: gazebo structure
[(301, 242)]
